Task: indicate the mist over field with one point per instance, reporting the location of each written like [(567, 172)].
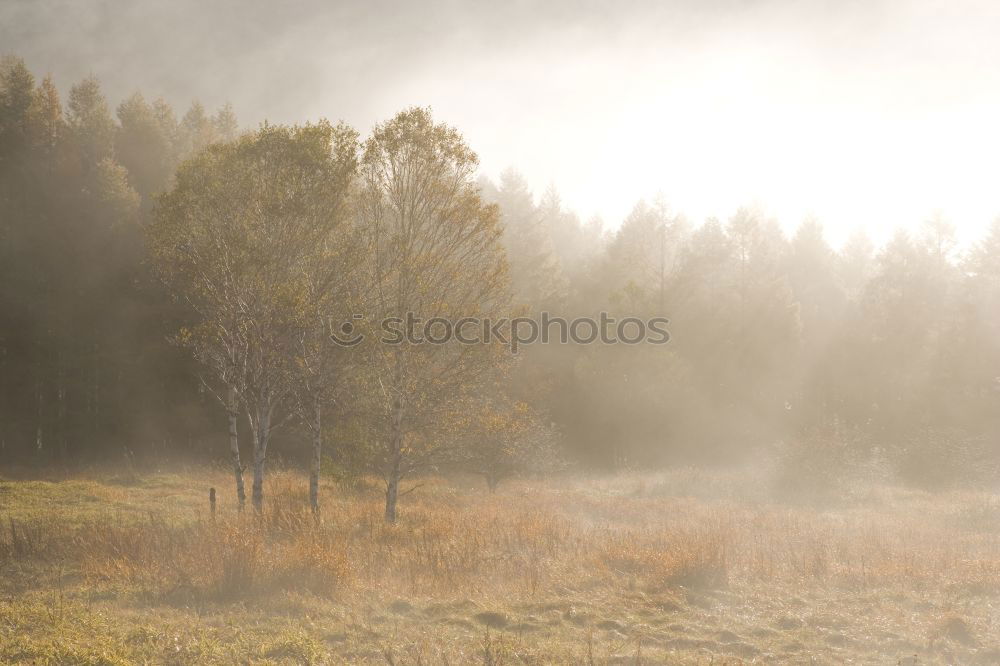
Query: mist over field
[(498, 333)]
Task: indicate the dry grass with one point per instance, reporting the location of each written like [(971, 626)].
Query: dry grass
[(571, 571)]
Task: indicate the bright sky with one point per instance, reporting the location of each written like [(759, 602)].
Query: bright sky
[(871, 116), (864, 114)]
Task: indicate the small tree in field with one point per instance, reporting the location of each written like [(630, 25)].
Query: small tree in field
[(250, 237), (506, 438), (433, 252)]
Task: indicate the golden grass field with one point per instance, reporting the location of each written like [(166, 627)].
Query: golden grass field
[(681, 567)]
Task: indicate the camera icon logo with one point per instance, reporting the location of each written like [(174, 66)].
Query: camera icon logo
[(345, 335)]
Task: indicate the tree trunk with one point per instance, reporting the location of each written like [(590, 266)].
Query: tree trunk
[(38, 412), (395, 460), (392, 491), (259, 456), (317, 458), (60, 420), (234, 449), (96, 397)]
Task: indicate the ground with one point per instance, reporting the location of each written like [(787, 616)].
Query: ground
[(681, 567)]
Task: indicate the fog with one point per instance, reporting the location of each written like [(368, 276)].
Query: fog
[(497, 333), (862, 114)]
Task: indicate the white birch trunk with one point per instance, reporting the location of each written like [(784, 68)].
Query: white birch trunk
[(260, 455), (234, 448), (317, 458), (395, 460)]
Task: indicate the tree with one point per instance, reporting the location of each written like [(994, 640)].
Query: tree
[(575, 245), (45, 118), (812, 276), (17, 92), (70, 331), (90, 122), (854, 264), (197, 129), (323, 369), (898, 305), (643, 256), (237, 239), (144, 146), (977, 346), (507, 438), (433, 251), (537, 281), (225, 124)]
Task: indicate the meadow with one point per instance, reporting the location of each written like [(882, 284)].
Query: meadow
[(683, 567)]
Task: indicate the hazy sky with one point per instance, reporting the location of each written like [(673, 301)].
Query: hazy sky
[(866, 114)]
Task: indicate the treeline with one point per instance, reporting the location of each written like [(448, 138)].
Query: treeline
[(85, 368), (148, 294), (829, 361)]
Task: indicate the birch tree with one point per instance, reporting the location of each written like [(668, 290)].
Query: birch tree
[(237, 238), (432, 251), (324, 369)]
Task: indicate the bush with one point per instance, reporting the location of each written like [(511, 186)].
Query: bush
[(827, 466), (937, 458)]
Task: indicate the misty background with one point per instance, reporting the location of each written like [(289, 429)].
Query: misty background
[(863, 114), (192, 471), (806, 191)]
